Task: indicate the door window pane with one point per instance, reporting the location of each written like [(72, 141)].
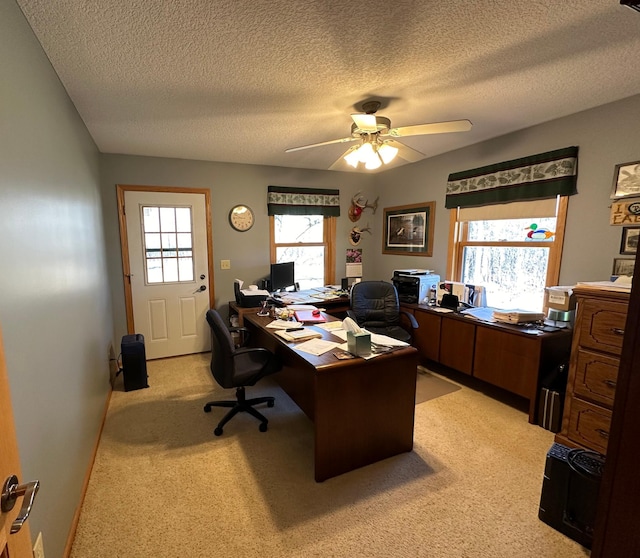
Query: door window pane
[(163, 244)]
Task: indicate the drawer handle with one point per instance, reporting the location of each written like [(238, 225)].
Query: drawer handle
[(610, 383), (603, 433), (617, 331)]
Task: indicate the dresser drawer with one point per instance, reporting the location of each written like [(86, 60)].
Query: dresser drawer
[(602, 325), (596, 376), (589, 425)]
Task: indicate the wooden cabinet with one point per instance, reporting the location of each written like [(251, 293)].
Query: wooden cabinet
[(507, 356), (593, 371), (427, 337), (457, 340)]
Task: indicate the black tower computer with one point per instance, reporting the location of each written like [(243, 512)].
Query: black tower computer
[(570, 492)]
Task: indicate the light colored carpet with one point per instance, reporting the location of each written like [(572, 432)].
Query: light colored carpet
[(164, 486), (430, 385)]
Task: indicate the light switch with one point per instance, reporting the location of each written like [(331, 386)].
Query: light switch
[(225, 264)]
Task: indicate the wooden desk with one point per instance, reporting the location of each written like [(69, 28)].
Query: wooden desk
[(510, 357), (362, 410)]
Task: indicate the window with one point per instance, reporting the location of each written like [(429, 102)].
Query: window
[(513, 250), (307, 240), (168, 244)]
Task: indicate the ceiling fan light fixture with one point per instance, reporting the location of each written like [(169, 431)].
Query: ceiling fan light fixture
[(353, 158), (373, 162), (366, 152), (387, 153)]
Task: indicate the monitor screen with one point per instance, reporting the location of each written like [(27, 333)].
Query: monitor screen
[(282, 276)]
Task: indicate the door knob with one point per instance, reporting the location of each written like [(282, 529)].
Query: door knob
[(202, 288), (11, 491)]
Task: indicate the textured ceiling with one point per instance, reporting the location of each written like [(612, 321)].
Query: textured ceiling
[(241, 81)]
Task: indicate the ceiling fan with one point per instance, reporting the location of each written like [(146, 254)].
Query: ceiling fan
[(376, 139)]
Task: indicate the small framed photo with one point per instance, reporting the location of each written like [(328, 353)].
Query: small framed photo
[(626, 181), (630, 238), (623, 266)]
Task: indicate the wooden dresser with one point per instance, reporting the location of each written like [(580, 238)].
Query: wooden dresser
[(593, 370)]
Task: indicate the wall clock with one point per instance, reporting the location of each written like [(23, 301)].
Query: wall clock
[(241, 217)]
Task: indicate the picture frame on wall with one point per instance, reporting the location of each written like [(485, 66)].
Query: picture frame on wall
[(626, 181), (623, 266), (408, 229), (630, 239)]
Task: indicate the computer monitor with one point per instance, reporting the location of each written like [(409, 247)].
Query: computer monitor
[(282, 276)]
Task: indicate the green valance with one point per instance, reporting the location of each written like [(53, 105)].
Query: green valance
[(286, 200), (536, 177)]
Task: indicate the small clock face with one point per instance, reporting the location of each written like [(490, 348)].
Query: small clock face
[(241, 218)]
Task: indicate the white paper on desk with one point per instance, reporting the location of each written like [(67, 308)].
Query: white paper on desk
[(295, 307), (331, 327), (387, 341), (283, 324), (316, 346)]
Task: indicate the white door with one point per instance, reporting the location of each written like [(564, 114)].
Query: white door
[(168, 262)]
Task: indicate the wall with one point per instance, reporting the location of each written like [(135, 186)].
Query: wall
[(607, 135), (230, 184), (54, 298)]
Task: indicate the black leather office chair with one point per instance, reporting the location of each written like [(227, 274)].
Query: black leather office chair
[(375, 306), (237, 367)]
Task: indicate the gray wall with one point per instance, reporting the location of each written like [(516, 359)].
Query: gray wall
[(230, 184), (55, 309), (62, 262), (606, 135)]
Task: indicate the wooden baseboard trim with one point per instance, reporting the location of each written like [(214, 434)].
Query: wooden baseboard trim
[(85, 484)]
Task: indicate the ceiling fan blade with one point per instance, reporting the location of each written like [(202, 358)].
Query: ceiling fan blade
[(366, 122), (405, 152), (433, 128), (340, 163), (341, 140)]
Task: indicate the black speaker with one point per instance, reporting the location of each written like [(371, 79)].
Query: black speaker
[(570, 492), (134, 362)]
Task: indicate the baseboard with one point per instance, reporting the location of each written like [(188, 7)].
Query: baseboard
[(85, 484)]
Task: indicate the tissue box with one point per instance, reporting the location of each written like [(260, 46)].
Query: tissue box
[(359, 344)]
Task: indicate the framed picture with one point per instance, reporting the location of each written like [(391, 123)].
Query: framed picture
[(408, 229), (623, 266), (630, 238), (626, 181)]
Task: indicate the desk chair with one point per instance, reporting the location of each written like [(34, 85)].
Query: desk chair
[(375, 306), (237, 367)]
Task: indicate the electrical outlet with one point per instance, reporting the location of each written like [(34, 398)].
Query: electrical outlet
[(38, 547), (225, 264)]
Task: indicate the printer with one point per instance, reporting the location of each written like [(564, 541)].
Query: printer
[(413, 285)]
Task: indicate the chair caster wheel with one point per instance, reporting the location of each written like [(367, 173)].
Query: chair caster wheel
[(270, 403), (218, 431), (263, 427), (207, 409)]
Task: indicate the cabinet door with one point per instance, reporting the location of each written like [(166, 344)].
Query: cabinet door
[(456, 344), (427, 337), (507, 360)]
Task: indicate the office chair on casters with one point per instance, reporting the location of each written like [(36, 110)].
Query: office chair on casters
[(238, 367), (375, 306)]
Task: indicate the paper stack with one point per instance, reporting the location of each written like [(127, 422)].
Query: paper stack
[(301, 334), (516, 316)]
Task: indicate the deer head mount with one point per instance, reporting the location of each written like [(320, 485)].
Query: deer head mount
[(359, 204)]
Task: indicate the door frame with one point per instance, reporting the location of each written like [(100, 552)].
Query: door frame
[(124, 244)]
